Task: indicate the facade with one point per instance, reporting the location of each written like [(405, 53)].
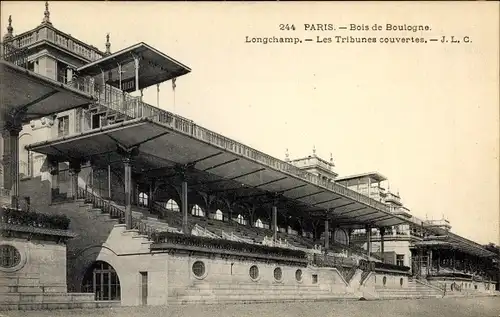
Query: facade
[(158, 210)]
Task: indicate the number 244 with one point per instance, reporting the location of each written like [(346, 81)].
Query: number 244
[(287, 27)]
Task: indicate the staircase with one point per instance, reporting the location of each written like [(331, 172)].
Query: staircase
[(415, 289)]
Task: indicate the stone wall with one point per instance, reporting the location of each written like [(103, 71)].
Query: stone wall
[(42, 267)]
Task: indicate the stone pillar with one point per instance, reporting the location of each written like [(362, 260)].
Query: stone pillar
[(11, 159), (184, 205), (74, 168), (128, 188), (368, 240), (327, 235), (382, 242), (275, 223)]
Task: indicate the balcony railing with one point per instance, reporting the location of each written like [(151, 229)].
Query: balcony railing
[(14, 55), (58, 38)]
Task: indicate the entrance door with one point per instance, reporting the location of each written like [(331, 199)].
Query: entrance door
[(144, 288)]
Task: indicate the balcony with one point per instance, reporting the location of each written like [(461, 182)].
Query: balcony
[(51, 35)]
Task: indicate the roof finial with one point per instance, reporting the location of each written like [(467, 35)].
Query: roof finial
[(108, 45), (10, 30), (314, 150), (46, 14), (331, 158), (287, 156)]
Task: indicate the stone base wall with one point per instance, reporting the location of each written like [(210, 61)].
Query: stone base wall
[(41, 267)]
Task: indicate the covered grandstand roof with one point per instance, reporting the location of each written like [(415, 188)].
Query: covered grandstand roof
[(155, 66), (219, 164), (38, 95), (447, 238)]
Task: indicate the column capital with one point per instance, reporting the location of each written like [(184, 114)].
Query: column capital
[(276, 197), (127, 154), (183, 169), (75, 166), (14, 122), (382, 230)]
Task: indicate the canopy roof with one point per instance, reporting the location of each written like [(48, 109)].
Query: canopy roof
[(445, 237), (154, 67), (221, 165), (38, 95)]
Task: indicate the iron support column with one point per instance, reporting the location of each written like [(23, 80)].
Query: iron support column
[(109, 182), (368, 241), (327, 235), (128, 186), (74, 167), (275, 223), (382, 242), (184, 205)]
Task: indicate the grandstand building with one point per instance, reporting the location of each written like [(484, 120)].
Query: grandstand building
[(111, 201)]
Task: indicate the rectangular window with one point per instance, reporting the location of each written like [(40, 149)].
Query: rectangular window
[(63, 126), (315, 278), (400, 259), (97, 121), (61, 72)]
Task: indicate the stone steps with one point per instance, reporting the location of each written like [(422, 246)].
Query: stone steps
[(239, 299), (39, 301)]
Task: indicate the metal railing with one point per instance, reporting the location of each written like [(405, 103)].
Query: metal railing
[(114, 212), (14, 55)]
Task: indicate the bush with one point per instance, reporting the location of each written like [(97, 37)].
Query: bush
[(34, 219), (209, 243)]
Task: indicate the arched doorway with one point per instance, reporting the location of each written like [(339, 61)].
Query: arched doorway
[(102, 280)]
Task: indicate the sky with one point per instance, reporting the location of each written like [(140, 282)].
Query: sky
[(426, 116)]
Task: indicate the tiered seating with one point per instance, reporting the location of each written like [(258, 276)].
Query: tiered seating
[(162, 219)]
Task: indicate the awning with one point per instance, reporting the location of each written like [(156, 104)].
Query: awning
[(221, 165), (154, 67), (38, 95)]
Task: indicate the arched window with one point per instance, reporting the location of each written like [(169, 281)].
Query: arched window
[(241, 220), (341, 237), (197, 211), (259, 224), (143, 199), (102, 280), (219, 215), (172, 205)]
